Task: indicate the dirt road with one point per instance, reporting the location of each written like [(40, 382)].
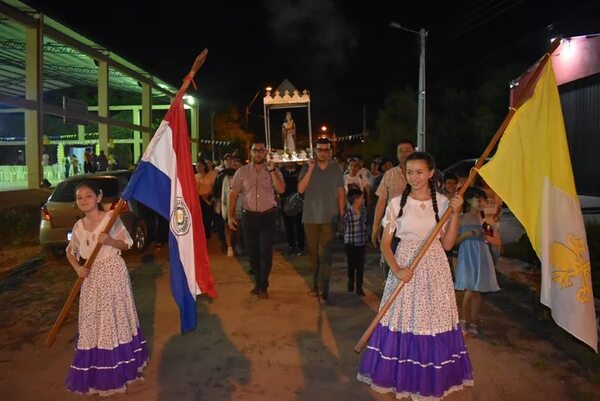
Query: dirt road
[(284, 348)]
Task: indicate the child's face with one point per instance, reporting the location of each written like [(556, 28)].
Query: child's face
[(451, 186), (476, 203), (359, 202), (87, 200)]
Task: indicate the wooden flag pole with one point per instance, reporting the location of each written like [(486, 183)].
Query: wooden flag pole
[(362, 342), (88, 264)]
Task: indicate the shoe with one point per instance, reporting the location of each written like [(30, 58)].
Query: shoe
[(292, 250), (360, 292), (230, 251), (254, 291), (300, 251), (463, 327), (263, 294), (473, 330), (324, 300), (351, 287), (314, 292)]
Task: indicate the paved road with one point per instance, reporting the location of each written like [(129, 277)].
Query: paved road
[(284, 348)]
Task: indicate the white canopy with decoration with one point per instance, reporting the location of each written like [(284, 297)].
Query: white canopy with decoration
[(286, 96)]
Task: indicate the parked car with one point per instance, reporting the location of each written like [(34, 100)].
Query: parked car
[(60, 212), (461, 168)]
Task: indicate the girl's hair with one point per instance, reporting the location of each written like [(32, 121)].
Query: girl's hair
[(94, 187), (470, 193), (427, 158)]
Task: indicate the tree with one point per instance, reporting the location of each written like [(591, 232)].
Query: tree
[(397, 120), (228, 126)]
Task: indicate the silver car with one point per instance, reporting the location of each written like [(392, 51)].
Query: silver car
[(60, 212)]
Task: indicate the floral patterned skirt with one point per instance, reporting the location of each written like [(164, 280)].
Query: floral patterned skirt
[(111, 350), (417, 350)]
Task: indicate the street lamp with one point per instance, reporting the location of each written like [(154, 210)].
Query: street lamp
[(268, 89), (421, 95)]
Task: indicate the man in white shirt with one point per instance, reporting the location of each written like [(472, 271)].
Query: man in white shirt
[(392, 185)]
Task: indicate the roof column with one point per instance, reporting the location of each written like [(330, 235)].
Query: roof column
[(146, 115), (103, 105), (33, 91)]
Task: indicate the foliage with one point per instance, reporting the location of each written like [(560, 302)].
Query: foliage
[(396, 121), (460, 120), (228, 126), (17, 224)]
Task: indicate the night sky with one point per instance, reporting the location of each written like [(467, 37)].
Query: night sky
[(344, 52)]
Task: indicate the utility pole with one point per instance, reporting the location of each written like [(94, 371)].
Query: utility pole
[(421, 92), (421, 106)]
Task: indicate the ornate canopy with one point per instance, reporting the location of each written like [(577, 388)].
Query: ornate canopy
[(286, 96)]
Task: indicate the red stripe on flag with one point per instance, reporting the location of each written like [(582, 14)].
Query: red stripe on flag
[(178, 123)]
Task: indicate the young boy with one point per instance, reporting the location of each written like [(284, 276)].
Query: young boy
[(450, 185), (355, 238)]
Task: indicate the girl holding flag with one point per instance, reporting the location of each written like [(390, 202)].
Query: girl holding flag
[(417, 350), (111, 350)]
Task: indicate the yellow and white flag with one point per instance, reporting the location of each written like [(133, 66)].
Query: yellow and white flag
[(531, 171)]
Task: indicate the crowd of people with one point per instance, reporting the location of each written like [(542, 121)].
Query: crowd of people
[(418, 348)]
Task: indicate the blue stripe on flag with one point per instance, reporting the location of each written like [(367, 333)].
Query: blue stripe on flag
[(150, 186), (180, 289)]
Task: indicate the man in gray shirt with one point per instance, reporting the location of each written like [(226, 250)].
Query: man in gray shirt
[(321, 182), (256, 183)]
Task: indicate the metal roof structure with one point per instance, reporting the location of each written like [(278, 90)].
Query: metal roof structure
[(69, 58)]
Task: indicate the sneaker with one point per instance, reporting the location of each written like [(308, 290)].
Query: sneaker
[(473, 330), (360, 292), (351, 287), (263, 294), (230, 251), (254, 291)]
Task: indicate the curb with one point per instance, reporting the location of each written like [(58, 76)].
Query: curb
[(23, 267)]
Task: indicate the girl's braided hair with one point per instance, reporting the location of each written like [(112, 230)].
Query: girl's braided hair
[(427, 158)]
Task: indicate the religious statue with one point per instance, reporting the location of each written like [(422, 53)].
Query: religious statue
[(288, 134)]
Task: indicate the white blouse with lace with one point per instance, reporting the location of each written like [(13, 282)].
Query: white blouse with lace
[(83, 241), (418, 217)]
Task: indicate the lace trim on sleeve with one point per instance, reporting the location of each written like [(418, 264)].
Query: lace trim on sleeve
[(391, 217), (73, 246), (119, 232)]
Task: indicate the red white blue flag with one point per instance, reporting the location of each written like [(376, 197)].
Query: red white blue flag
[(164, 181)]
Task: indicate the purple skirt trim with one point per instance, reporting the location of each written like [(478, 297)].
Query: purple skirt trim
[(427, 365), (100, 370)]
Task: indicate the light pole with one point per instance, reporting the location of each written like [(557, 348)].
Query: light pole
[(421, 94)]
